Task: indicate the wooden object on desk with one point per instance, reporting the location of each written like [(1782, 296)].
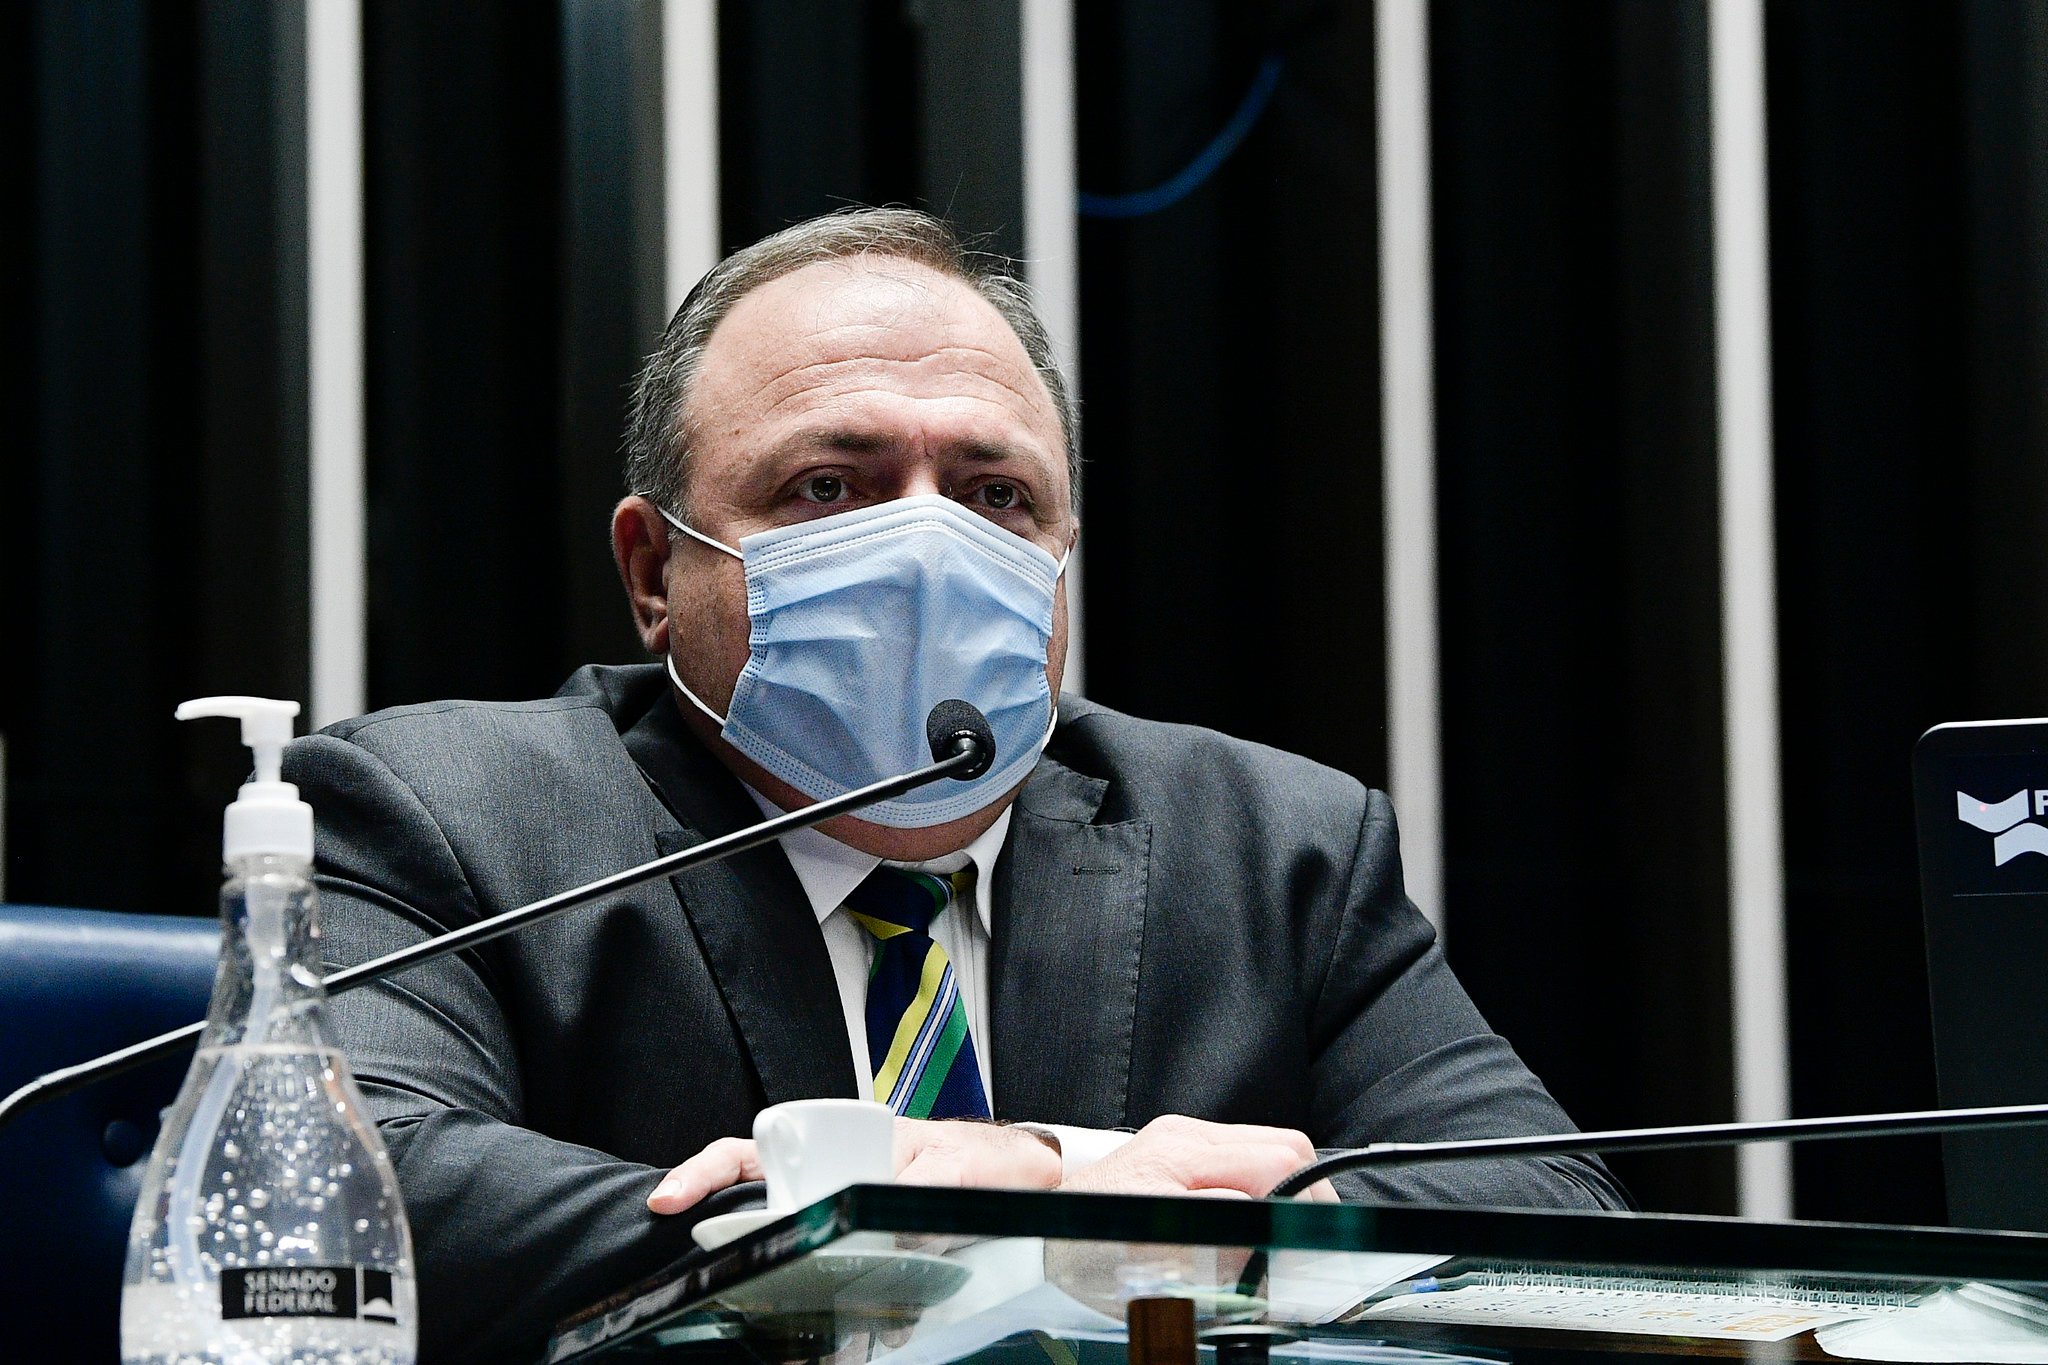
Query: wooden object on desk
[(1162, 1331)]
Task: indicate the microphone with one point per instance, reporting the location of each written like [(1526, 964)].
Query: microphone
[(963, 746), (955, 726), (1660, 1139)]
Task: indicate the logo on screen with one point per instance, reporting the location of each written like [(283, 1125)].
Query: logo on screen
[(2006, 821)]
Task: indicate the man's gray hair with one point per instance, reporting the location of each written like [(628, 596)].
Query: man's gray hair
[(658, 427)]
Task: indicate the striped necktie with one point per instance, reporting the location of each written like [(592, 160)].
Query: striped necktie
[(918, 1043)]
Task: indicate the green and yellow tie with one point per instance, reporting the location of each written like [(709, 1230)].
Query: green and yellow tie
[(918, 1041)]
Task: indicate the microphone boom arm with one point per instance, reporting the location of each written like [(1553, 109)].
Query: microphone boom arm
[(1663, 1139), (966, 753)]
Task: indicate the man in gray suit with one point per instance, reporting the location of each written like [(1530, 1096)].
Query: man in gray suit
[(853, 492)]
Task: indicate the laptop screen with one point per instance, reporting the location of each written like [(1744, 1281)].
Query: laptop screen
[(1980, 791)]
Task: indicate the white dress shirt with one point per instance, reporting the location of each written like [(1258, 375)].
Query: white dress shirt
[(828, 870)]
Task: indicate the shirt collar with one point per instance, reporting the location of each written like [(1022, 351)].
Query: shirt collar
[(828, 869)]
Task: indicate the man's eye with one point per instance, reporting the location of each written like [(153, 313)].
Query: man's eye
[(999, 496), (823, 488)]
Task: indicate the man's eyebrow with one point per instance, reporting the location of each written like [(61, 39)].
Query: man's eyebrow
[(848, 442), (854, 441), (993, 452)]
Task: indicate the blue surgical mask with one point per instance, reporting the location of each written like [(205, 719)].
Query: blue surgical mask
[(861, 622)]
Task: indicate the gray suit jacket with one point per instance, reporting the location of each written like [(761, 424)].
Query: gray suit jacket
[(1183, 923)]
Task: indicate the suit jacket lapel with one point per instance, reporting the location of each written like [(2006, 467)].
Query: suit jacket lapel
[(1070, 900), (757, 931)]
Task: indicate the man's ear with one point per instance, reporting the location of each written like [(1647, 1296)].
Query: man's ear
[(640, 547)]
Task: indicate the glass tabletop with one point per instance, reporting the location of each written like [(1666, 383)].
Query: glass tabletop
[(920, 1276)]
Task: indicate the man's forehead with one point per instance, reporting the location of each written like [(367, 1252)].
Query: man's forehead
[(872, 290), (877, 308)]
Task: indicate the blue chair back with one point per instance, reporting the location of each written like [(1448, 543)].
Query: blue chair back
[(75, 984)]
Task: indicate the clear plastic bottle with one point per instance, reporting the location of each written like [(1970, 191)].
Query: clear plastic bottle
[(269, 1228)]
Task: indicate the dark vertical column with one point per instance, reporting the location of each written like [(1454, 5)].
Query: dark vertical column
[(1302, 279), (514, 277), (1230, 372), (1868, 290), (463, 245), (20, 145), (825, 104), (612, 283), (1671, 995), (155, 517), (817, 109), (87, 725), (251, 203), (243, 502), (1585, 854), (972, 119), (2005, 133), (1166, 582)]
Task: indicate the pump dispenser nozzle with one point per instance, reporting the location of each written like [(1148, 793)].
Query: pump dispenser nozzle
[(267, 817)]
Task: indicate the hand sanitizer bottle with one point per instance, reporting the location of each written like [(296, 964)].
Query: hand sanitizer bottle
[(269, 1228)]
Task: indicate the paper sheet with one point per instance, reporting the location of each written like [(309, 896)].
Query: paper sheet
[(1318, 1286), (1634, 1312), (1948, 1327), (1042, 1308)]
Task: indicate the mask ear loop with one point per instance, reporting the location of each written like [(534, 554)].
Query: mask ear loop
[(670, 659), (699, 535), (695, 701), (1052, 721), (1072, 546), (1065, 559)]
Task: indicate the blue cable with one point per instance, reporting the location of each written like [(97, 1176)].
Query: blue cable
[(1165, 195)]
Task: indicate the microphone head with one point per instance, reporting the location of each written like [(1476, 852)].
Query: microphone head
[(955, 725)]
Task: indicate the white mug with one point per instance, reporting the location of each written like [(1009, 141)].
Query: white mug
[(813, 1148)]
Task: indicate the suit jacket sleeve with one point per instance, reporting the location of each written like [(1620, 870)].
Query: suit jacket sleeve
[(511, 1229), (1400, 1054)]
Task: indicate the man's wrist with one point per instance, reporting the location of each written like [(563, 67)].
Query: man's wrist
[(1048, 1138), (1079, 1148)]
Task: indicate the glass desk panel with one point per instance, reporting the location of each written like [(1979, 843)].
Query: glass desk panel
[(919, 1276)]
